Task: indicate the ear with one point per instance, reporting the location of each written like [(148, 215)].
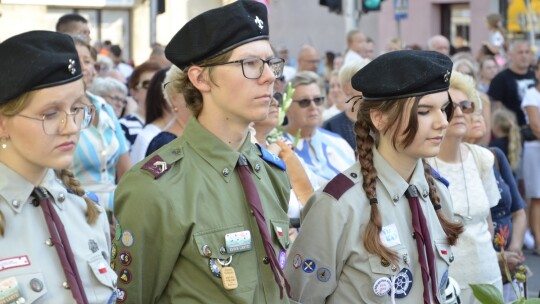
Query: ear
[(378, 119), (3, 126), (199, 78)]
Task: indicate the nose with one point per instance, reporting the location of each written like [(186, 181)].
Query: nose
[(68, 126), (442, 121), (267, 74)]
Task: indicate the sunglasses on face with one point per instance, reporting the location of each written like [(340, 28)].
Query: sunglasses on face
[(306, 102), (465, 105)]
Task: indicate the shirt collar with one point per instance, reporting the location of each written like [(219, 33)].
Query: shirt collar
[(216, 153), (394, 184)]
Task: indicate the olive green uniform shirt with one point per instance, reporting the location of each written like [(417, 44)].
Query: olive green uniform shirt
[(173, 219), (328, 262)]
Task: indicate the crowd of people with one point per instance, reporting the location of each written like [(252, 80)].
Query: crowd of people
[(165, 182)]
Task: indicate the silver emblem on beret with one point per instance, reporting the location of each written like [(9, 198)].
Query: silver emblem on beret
[(259, 22), (446, 76), (71, 67)]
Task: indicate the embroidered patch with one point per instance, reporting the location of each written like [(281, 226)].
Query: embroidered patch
[(9, 290), (282, 259), (403, 282), (117, 232), (113, 265), (124, 276), (127, 238), (121, 295), (297, 261), (125, 258), (114, 251), (14, 262), (309, 266), (323, 274), (382, 286)]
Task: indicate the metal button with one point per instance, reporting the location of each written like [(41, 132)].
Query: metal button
[(225, 172), (222, 250), (36, 285), (287, 244), (49, 242), (61, 197), (20, 300), (354, 175), (266, 260), (176, 151), (393, 267), (252, 213), (257, 167), (425, 193), (451, 258), (206, 250), (65, 285), (16, 203), (384, 262), (395, 198)]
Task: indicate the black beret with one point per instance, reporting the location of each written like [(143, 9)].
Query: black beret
[(218, 31), (36, 60), (402, 74)]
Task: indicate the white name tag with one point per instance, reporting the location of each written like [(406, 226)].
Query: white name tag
[(14, 262), (390, 236)]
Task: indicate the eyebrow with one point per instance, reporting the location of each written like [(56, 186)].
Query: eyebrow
[(432, 106)]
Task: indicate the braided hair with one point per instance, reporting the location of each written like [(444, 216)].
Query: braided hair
[(364, 142), (69, 180)]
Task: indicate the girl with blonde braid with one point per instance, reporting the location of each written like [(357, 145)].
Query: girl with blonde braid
[(54, 237), (382, 230)]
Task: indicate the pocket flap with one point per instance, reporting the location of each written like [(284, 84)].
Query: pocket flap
[(281, 231), (211, 243), (102, 270), (382, 267), (445, 251)]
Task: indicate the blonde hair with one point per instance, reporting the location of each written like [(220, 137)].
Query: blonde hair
[(171, 84), (347, 71), (12, 108), (465, 84), (505, 120)]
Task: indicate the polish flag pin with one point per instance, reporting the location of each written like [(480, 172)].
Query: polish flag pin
[(279, 231), (102, 268), (444, 252)]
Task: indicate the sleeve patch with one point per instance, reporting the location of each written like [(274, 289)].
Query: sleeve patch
[(156, 166), (338, 186)]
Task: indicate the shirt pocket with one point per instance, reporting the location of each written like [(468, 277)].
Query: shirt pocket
[(280, 231), (102, 270), (211, 246), (379, 266), (28, 286), (443, 258)]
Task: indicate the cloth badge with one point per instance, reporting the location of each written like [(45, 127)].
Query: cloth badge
[(121, 295), (323, 274), (382, 286), (403, 282), (125, 276), (309, 266), (444, 282), (390, 236), (125, 258), (113, 265), (297, 261), (282, 258), (127, 238), (9, 290), (117, 232), (114, 251)]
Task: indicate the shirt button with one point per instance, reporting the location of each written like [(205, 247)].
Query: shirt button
[(49, 242), (222, 250), (393, 267), (176, 151), (65, 285), (206, 250), (266, 260), (61, 197), (20, 300), (287, 244), (354, 175), (257, 167), (16, 203), (395, 198), (225, 172)]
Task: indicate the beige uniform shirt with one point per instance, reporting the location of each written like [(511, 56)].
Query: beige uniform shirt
[(328, 262), (29, 265)]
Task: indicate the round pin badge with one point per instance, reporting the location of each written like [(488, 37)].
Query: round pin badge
[(297, 261), (36, 284), (124, 276), (323, 274), (403, 283), (121, 295), (215, 267), (127, 238), (125, 258), (309, 266), (382, 286), (282, 259)]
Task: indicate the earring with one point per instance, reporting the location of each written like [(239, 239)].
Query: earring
[(175, 109), (4, 142)]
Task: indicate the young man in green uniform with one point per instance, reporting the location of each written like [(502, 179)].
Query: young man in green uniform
[(196, 225)]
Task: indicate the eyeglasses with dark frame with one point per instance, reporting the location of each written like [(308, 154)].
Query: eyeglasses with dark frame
[(252, 68), (54, 123), (306, 102), (117, 99), (466, 106)]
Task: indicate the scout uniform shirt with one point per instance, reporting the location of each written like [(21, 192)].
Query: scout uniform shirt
[(328, 262), (29, 264), (179, 209)]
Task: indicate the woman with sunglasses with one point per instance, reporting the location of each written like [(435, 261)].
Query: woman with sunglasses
[(204, 218), (326, 153), (356, 241), (54, 237), (474, 190)]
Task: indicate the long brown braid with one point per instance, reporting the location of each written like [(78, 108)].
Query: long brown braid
[(69, 180), (452, 230)]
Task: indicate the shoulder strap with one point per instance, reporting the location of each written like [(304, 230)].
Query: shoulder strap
[(475, 156)]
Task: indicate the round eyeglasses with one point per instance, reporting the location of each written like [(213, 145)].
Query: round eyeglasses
[(252, 68), (54, 122)]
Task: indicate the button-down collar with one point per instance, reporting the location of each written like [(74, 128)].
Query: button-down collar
[(394, 184)]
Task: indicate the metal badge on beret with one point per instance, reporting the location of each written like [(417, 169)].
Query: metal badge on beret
[(36, 60), (402, 74), (218, 31)]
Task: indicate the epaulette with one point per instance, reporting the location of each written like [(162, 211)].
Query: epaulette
[(270, 157), (438, 177), (338, 185), (156, 166)]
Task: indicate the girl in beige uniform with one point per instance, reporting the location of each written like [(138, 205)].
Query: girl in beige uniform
[(54, 238), (381, 231)]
